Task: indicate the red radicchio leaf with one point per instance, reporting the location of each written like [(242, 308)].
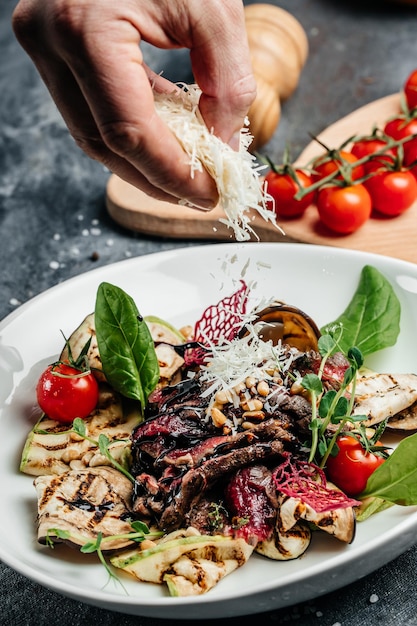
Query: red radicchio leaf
[(219, 321), (222, 320), (307, 482)]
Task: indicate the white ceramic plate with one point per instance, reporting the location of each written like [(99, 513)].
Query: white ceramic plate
[(178, 285)]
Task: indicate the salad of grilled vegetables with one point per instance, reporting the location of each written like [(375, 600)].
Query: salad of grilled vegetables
[(245, 433)]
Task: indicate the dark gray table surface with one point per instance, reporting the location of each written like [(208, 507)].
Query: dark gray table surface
[(53, 225)]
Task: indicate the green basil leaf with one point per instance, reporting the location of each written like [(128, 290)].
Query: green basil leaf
[(371, 321), (125, 344), (396, 479)]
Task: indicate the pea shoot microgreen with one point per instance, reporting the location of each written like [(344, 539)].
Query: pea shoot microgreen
[(331, 407), (103, 442)]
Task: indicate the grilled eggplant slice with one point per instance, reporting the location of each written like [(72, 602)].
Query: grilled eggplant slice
[(85, 332), (163, 334), (341, 523), (51, 449), (383, 396), (190, 564), (405, 420), (85, 503), (282, 322), (285, 545)]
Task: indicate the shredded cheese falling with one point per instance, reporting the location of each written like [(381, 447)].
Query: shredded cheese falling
[(235, 172)]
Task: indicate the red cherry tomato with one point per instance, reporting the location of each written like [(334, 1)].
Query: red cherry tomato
[(283, 187), (344, 209), (352, 466), (410, 90), (410, 157), (64, 393), (330, 162), (367, 147), (392, 192), (401, 127)]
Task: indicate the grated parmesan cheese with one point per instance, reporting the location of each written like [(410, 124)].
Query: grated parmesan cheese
[(235, 172), (232, 362)]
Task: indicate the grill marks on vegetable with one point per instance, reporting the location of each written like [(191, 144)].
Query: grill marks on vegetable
[(85, 503)]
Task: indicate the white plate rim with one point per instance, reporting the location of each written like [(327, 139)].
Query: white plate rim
[(264, 596)]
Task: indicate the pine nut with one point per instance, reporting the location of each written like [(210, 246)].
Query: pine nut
[(252, 405), (296, 388), (221, 397), (239, 388), (76, 464), (69, 455), (88, 456), (257, 415), (75, 436), (98, 460), (263, 388), (250, 382), (218, 417)]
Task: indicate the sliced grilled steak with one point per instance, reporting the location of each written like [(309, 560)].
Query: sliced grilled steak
[(209, 515), (179, 454), (197, 480), (251, 500), (182, 476)]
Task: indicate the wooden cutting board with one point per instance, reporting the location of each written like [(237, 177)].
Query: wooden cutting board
[(395, 237)]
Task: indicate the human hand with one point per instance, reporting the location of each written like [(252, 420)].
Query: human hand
[(88, 54)]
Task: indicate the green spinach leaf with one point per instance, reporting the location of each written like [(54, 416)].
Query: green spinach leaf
[(371, 321), (125, 344), (396, 479)]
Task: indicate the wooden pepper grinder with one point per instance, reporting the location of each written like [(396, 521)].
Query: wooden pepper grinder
[(279, 48)]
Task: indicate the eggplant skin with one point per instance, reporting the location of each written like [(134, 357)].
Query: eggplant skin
[(85, 503), (85, 332)]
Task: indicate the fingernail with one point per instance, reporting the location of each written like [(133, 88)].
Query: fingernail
[(203, 204)]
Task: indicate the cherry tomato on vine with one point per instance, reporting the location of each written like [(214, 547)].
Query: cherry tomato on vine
[(392, 192), (352, 466), (401, 127), (64, 392), (367, 147), (334, 160), (283, 185), (410, 90), (344, 209), (410, 157)]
